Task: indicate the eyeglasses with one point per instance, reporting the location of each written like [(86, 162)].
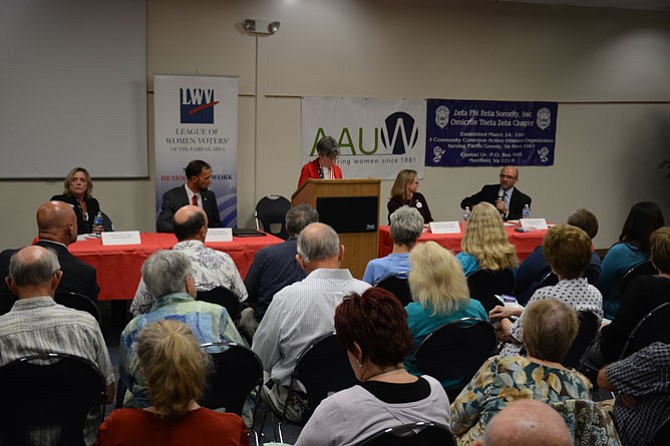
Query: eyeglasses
[(506, 177)]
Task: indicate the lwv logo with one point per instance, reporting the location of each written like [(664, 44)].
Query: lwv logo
[(197, 105)]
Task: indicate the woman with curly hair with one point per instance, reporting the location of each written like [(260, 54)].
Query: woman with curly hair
[(485, 244)]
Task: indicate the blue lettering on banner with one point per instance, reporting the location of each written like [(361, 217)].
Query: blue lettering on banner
[(197, 105), (463, 133)]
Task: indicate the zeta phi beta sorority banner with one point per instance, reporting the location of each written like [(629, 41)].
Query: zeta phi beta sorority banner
[(490, 133), (196, 119)]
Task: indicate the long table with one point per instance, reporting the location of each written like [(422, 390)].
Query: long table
[(525, 242), (119, 267)]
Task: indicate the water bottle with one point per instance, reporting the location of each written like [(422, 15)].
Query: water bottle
[(466, 214), (97, 224), (526, 211)]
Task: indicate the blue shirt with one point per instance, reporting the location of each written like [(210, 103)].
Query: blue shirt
[(619, 259), (391, 265), (469, 263)]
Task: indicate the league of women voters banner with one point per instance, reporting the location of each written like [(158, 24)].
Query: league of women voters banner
[(377, 137), (195, 117), (490, 133)]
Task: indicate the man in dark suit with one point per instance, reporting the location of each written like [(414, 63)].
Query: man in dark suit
[(504, 196), (193, 192), (57, 228)]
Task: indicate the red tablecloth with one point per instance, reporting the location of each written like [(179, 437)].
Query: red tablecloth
[(119, 267), (525, 242)]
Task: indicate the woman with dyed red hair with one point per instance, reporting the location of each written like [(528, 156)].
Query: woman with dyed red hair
[(373, 328)]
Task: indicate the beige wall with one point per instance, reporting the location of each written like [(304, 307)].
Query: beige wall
[(608, 69)]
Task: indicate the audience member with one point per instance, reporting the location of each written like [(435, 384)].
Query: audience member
[(175, 368), (193, 192), (37, 325), (324, 167), (485, 244), (535, 268), (440, 293), (210, 268), (302, 312), (373, 329), (406, 228), (633, 248), (643, 295), (507, 199), (275, 267), (77, 192), (168, 275), (526, 422), (643, 383), (568, 252), (549, 330), (404, 193), (56, 229)]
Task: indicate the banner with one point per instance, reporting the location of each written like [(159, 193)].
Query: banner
[(196, 118), (490, 133), (377, 137)]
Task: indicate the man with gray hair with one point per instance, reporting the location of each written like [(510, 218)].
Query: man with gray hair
[(36, 324), (169, 275), (275, 267), (303, 311), (406, 228), (526, 422)]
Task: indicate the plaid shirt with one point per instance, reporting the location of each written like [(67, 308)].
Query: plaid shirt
[(645, 376)]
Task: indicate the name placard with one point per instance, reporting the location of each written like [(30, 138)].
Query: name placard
[(219, 235), (121, 238), (534, 223), (445, 227)]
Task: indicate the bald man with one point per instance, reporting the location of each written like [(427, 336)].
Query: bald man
[(526, 422), (211, 268), (56, 230), (36, 325), (505, 196)]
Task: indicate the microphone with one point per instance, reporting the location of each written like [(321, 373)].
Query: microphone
[(501, 194)]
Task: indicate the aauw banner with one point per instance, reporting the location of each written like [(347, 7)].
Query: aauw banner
[(196, 118), (490, 133), (377, 137)]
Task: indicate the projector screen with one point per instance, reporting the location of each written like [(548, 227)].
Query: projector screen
[(73, 88)]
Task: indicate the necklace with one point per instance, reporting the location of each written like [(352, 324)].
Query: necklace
[(383, 373)]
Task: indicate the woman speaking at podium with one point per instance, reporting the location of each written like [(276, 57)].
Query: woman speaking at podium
[(323, 167)]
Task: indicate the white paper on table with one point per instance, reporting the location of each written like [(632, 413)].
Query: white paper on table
[(219, 235), (121, 238), (535, 223), (445, 227)]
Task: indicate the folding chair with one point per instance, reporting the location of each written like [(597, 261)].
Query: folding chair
[(456, 350), (271, 213), (398, 286), (224, 297), (414, 434), (588, 328), (645, 268), (652, 328), (79, 302), (49, 391), (485, 284)]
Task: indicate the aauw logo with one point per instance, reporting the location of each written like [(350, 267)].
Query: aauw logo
[(399, 132), (197, 105)]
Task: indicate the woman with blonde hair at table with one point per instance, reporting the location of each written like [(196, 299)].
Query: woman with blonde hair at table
[(485, 244), (175, 368), (404, 193)]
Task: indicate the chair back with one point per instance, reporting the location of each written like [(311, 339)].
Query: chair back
[(645, 268), (662, 434), (398, 286), (323, 368), (485, 284), (456, 350), (224, 297), (79, 302), (550, 279), (271, 212), (49, 390), (413, 434), (652, 328), (6, 303), (588, 328), (237, 371)]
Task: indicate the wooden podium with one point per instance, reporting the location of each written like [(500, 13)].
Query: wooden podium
[(351, 207)]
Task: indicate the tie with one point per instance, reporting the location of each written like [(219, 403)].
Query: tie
[(506, 199), (195, 200)]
